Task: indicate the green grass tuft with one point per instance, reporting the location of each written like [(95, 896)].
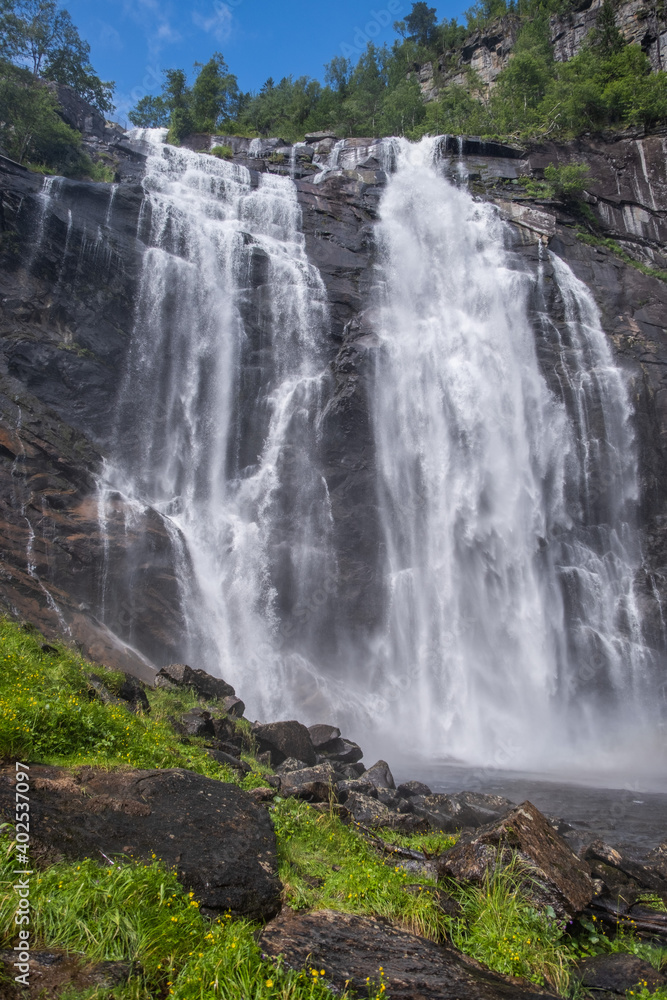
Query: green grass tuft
[(501, 929), (139, 913), (47, 714), (316, 847), (222, 152)]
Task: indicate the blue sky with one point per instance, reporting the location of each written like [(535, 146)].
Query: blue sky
[(133, 40)]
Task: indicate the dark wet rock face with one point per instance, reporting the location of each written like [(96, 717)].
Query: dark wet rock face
[(618, 973), (220, 843), (353, 950), (68, 284)]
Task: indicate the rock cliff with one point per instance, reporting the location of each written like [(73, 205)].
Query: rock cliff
[(71, 263), (487, 51)]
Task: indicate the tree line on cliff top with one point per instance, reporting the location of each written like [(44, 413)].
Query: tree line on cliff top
[(608, 84), (39, 44)]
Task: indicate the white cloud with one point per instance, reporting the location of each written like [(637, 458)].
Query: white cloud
[(218, 24), (109, 36), (153, 17)]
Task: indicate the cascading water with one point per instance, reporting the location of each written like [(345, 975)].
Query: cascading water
[(506, 498), (507, 508), (217, 424)]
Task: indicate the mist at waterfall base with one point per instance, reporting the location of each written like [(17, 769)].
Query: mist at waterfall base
[(511, 634)]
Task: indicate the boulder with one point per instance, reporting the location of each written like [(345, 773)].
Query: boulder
[(366, 810), (370, 812), (204, 684), (322, 734), (233, 706), (342, 751), (615, 869), (197, 722), (350, 771), (97, 689), (409, 788), (285, 739), (227, 758), (344, 788), (556, 878), (317, 784), (220, 843), (351, 949), (225, 730), (463, 810), (380, 775), (132, 691), (291, 764), (390, 798), (618, 973)]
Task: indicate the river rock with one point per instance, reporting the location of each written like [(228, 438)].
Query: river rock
[(463, 810), (233, 706), (618, 973), (220, 843), (204, 684), (380, 775), (557, 877), (316, 784), (322, 734), (342, 751), (197, 722), (285, 739), (351, 949), (409, 788)]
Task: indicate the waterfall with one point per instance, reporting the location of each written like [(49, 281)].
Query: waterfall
[(217, 425), (507, 504), (507, 486)]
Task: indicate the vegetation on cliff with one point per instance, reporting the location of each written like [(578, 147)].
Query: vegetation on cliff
[(39, 44), (121, 910), (608, 84)]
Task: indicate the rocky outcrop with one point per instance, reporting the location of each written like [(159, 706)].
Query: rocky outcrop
[(487, 51), (68, 285), (365, 954), (553, 874), (221, 844)]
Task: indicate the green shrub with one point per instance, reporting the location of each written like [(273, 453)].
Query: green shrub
[(222, 152), (30, 126)]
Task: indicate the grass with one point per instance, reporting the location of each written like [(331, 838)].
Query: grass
[(140, 913), (324, 864), (429, 843), (222, 152), (502, 930), (47, 715), (615, 248)]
